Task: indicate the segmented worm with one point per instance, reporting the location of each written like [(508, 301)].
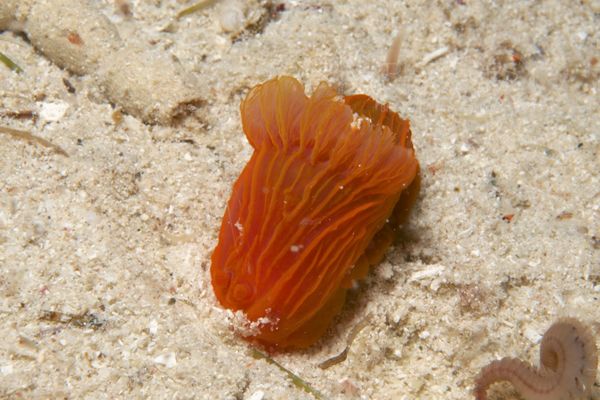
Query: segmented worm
[(568, 365)]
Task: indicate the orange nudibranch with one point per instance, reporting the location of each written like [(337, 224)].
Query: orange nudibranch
[(329, 181)]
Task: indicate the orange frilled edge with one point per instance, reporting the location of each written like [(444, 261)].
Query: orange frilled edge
[(317, 204)]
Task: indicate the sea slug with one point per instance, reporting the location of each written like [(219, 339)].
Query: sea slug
[(568, 365), (317, 204)]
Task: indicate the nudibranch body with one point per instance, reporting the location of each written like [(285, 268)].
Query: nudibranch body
[(316, 205)]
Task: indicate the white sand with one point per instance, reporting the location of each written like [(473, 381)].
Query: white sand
[(121, 231)]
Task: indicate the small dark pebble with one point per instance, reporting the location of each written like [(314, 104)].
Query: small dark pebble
[(69, 85)]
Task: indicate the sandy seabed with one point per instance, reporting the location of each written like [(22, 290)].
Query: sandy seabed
[(105, 254)]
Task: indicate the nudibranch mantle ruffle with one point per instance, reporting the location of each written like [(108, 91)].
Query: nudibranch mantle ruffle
[(316, 205)]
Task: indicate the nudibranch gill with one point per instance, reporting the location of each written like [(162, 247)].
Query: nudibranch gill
[(317, 204)]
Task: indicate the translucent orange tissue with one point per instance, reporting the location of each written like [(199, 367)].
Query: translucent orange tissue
[(317, 204)]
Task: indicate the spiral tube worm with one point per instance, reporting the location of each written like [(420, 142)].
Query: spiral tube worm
[(568, 365)]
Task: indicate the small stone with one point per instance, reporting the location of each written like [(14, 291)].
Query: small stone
[(532, 333), (258, 395), (385, 271), (6, 369), (53, 111), (153, 327), (231, 17), (168, 360), (429, 272)]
